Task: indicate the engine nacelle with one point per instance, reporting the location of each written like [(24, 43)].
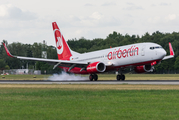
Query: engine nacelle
[(96, 67), (144, 68)]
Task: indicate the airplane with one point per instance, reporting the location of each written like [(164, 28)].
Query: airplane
[(141, 57)]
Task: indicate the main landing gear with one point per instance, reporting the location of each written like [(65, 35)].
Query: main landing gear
[(93, 77), (120, 77)]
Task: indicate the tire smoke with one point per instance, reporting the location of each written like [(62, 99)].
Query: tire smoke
[(66, 76)]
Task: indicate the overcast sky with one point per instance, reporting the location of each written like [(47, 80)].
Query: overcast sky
[(29, 21)]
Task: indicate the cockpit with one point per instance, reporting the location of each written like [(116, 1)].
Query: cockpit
[(157, 47)]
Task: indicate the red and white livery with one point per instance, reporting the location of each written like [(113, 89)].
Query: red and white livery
[(140, 56)]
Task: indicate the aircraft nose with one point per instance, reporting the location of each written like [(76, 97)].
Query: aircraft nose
[(163, 52)]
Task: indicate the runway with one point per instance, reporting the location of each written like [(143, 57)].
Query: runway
[(110, 82)]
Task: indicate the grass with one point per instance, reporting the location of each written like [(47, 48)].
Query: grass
[(24, 77), (141, 76), (100, 76), (84, 104), (93, 87)]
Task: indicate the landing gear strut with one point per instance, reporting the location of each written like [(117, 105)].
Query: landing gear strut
[(120, 77), (93, 77)]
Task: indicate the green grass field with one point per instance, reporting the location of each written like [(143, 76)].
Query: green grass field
[(100, 76), (141, 76), (24, 77), (83, 104)]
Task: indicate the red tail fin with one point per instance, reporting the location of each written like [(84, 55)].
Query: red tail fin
[(63, 50)]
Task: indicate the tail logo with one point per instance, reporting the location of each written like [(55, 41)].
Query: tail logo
[(59, 44)]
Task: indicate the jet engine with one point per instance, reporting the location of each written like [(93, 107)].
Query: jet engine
[(144, 68), (96, 67)]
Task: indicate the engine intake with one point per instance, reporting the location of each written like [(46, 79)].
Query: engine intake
[(96, 67), (144, 68)]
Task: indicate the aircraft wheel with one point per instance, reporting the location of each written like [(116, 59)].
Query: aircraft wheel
[(123, 77), (91, 77), (95, 77), (118, 77)]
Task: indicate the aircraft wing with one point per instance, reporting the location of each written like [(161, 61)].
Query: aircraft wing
[(172, 54), (51, 61)]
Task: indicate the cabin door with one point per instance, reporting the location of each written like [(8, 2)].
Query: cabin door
[(143, 51)]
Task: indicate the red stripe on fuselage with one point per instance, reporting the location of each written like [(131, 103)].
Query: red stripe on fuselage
[(76, 70)]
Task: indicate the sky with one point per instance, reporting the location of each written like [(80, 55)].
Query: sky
[(29, 21)]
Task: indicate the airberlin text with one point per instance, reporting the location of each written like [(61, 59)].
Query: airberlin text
[(132, 51)]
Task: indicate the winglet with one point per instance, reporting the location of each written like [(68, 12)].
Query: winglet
[(7, 51), (171, 52), (171, 49)]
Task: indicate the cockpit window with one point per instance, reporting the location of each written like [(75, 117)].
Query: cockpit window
[(151, 48), (157, 47)]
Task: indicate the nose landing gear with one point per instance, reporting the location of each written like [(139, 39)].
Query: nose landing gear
[(93, 77)]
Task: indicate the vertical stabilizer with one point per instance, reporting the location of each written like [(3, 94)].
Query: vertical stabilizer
[(63, 50)]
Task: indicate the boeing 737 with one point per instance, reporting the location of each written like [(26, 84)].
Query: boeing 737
[(141, 57)]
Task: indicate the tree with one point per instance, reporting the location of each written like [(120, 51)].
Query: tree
[(37, 50), (7, 67), (177, 63), (51, 52), (85, 45), (2, 64)]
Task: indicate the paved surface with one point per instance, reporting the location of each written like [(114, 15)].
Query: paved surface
[(152, 82)]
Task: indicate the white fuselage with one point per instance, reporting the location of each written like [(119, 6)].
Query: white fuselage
[(124, 55)]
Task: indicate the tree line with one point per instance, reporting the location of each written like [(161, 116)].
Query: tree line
[(85, 45)]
